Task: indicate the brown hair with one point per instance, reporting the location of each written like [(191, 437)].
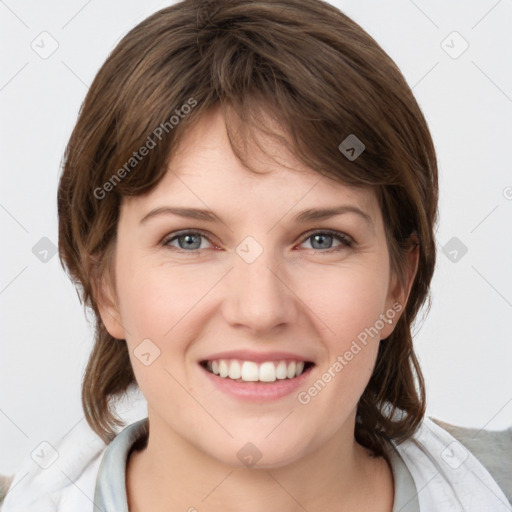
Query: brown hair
[(324, 78)]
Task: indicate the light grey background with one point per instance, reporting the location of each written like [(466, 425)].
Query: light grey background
[(464, 344)]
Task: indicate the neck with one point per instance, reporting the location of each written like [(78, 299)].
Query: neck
[(172, 474)]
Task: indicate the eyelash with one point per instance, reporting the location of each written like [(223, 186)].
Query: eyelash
[(346, 241)]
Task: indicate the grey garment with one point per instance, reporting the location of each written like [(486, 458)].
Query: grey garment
[(492, 448), (110, 492), (406, 494)]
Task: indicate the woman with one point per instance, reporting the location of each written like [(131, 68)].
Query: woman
[(248, 206)]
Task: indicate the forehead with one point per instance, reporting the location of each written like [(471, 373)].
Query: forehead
[(204, 172)]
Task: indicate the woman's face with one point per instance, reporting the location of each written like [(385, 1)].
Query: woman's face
[(255, 290)]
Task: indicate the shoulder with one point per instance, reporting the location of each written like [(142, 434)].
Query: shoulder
[(493, 448), (60, 476), (447, 475), (64, 478)]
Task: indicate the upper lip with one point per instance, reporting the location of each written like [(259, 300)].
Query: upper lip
[(257, 357)]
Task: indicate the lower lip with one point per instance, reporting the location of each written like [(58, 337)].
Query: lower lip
[(257, 391)]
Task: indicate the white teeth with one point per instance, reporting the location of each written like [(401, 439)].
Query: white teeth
[(290, 372), (223, 368), (235, 372), (249, 371), (281, 370), (267, 372)]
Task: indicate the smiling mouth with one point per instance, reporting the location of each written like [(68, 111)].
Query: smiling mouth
[(250, 371)]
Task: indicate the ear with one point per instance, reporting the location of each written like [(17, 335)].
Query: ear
[(398, 293), (104, 290)]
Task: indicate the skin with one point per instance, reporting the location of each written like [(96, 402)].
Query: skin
[(309, 299)]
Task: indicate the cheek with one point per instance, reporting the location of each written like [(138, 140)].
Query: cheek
[(348, 301), (155, 299), (348, 304), (161, 305)]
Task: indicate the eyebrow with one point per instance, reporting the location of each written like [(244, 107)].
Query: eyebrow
[(312, 214)]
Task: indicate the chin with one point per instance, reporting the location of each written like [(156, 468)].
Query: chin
[(260, 453)]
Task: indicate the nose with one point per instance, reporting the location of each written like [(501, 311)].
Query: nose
[(259, 296)]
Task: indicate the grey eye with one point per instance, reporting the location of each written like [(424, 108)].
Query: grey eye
[(187, 241)]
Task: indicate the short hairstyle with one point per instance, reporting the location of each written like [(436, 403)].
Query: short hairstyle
[(322, 77)]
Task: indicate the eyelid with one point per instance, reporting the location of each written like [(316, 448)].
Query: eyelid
[(346, 240), (333, 232), (176, 234)]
